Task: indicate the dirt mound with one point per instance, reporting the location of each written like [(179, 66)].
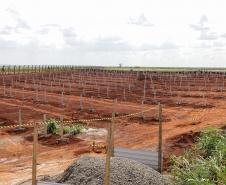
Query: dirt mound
[(187, 137), (91, 170)]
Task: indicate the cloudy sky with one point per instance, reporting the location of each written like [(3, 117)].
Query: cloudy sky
[(175, 33)]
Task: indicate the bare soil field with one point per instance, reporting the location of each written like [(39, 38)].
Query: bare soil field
[(191, 101)]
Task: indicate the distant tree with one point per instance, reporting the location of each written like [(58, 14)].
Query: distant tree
[(3, 70), (120, 65)]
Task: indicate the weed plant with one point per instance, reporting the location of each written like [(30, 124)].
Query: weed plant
[(52, 127), (205, 163)]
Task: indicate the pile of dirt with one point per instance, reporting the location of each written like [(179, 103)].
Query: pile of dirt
[(91, 170)]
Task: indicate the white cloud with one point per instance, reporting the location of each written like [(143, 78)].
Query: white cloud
[(204, 35), (20, 23), (219, 44), (157, 32), (141, 21), (224, 35), (69, 32), (7, 30), (207, 36)]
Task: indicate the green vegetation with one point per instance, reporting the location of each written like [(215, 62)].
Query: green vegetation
[(203, 164), (163, 69), (22, 69), (52, 127)]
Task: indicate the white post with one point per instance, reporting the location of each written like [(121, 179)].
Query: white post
[(16, 84), (124, 96), (10, 92), (45, 97), (36, 96), (155, 102), (91, 110), (51, 87), (61, 128), (81, 108), (116, 113), (144, 95), (142, 109), (20, 119), (178, 103), (25, 84), (70, 88), (96, 82), (45, 125)]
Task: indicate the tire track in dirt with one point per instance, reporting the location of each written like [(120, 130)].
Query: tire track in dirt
[(34, 108)]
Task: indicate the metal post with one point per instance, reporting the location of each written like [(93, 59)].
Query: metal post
[(124, 95), (61, 128), (116, 113), (36, 96), (45, 125), (10, 92), (80, 108), (142, 109), (20, 119), (91, 110)]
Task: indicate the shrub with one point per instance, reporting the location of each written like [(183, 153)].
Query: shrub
[(52, 126), (205, 163), (75, 129)]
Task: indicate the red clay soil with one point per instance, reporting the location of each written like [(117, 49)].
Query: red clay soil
[(180, 122)]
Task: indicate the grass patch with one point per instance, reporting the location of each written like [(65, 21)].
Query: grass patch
[(205, 163)]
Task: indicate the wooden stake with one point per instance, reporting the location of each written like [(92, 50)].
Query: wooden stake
[(108, 156), (112, 132), (160, 140), (34, 166)]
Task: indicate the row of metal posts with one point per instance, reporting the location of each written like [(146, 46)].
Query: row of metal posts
[(39, 68)]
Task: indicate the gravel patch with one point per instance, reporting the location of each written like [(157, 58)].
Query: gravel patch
[(88, 170)]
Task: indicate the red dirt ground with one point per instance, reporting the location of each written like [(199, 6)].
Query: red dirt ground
[(179, 122)]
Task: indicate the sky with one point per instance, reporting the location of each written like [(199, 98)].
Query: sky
[(151, 33)]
